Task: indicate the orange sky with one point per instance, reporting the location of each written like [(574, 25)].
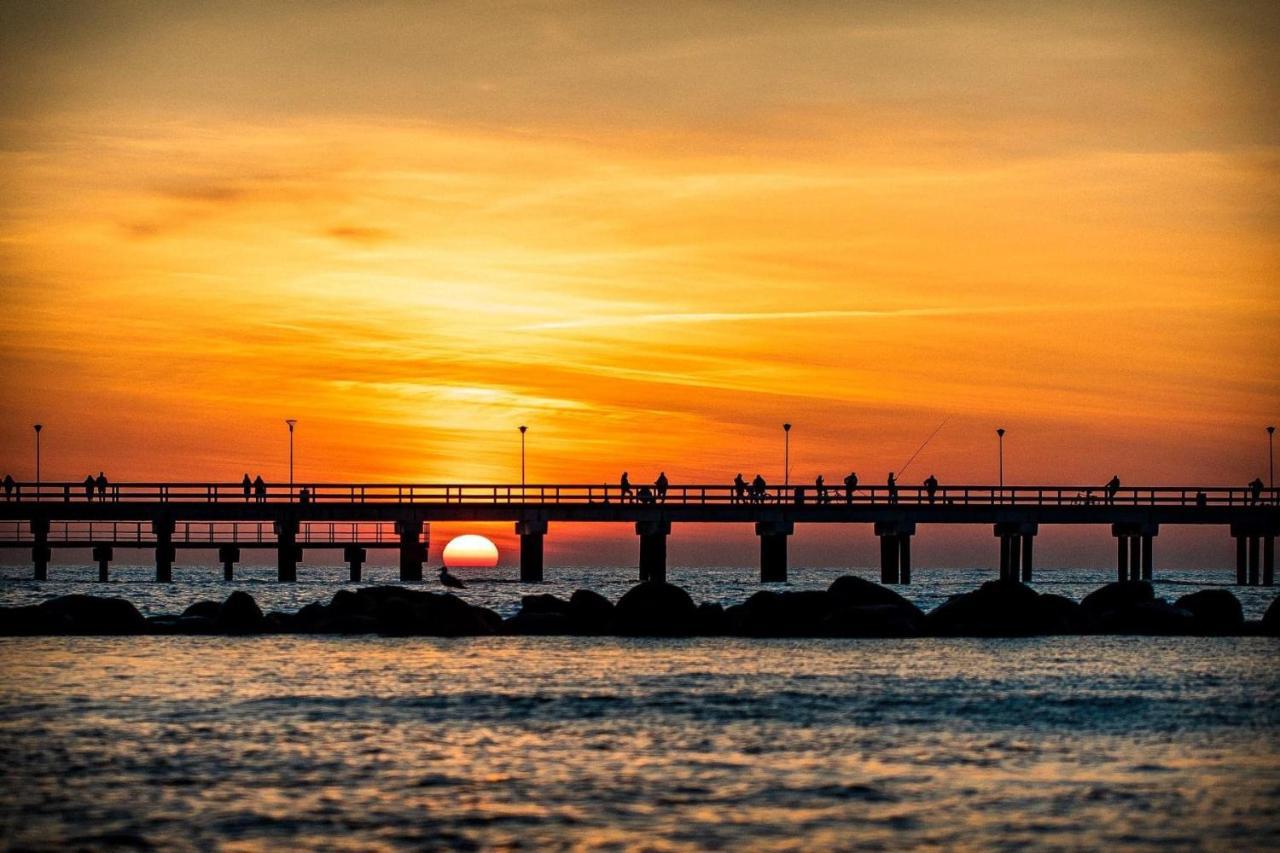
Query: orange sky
[(650, 237)]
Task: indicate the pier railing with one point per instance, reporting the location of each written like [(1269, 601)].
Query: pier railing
[(207, 533), (675, 494)]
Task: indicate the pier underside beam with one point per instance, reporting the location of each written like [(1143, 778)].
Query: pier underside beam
[(532, 533), (653, 549), (1135, 550)]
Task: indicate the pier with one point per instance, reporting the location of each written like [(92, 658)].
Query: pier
[(355, 518)]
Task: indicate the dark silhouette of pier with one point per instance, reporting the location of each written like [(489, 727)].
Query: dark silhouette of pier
[(165, 517)]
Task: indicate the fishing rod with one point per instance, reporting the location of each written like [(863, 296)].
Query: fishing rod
[(907, 464)]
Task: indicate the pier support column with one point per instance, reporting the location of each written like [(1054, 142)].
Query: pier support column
[(228, 555), (287, 551), (412, 553), (653, 549), (355, 557), (773, 549), (1269, 560), (1255, 576), (1242, 565), (1028, 540), (165, 553), (895, 550), (1122, 558), (1148, 558), (532, 533), (40, 551), (102, 555), (1015, 549)]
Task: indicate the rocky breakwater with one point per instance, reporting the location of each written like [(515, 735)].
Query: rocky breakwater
[(851, 607)]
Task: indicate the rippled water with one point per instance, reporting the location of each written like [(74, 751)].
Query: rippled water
[(368, 743), (498, 589)]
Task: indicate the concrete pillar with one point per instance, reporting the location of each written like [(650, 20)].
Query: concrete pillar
[(1004, 557), (165, 552), (1027, 540), (653, 549), (1015, 557), (412, 553), (773, 549), (1254, 562), (888, 559), (1015, 549), (1269, 560), (1135, 556), (228, 555), (40, 551), (893, 551), (287, 551), (531, 534), (1148, 560), (904, 558), (355, 557), (102, 555), (1242, 570), (1122, 558)]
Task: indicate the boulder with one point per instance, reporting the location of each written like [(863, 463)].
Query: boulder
[(239, 614), (89, 614), (1003, 608), (590, 612), (656, 609), (874, 620), (207, 609), (538, 623), (32, 621), (544, 603), (781, 614), (1146, 617), (851, 591), (278, 622), (348, 602), (1271, 619), (712, 621), (1061, 615), (1116, 596), (1216, 611)]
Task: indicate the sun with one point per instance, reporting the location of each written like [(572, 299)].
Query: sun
[(470, 552)]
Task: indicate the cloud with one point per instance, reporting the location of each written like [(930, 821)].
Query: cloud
[(359, 235), (698, 317)]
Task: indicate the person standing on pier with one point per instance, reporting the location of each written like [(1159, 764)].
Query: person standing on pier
[(660, 486), (739, 489), (88, 488), (1113, 487), (931, 487), (625, 486), (850, 484), (8, 487), (758, 487), (893, 489), (248, 486), (260, 489), (820, 487), (1255, 491), (102, 486)]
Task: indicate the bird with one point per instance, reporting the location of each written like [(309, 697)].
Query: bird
[(450, 580)]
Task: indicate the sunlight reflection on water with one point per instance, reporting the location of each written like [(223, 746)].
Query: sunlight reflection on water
[(374, 743)]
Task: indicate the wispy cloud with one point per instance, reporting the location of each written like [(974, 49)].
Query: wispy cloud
[(700, 317)]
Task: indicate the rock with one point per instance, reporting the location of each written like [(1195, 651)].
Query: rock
[(350, 603), (656, 609), (1271, 619), (538, 623), (207, 609), (88, 614), (874, 620), (1216, 611), (544, 603), (32, 621), (1061, 615), (1146, 617), (1000, 608), (781, 614), (239, 614), (1116, 596), (278, 622), (712, 621), (310, 618), (851, 591), (590, 612)]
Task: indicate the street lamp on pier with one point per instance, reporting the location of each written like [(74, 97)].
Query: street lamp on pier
[(292, 422), (786, 455), (1271, 455), (523, 429), (1000, 439), (37, 428)]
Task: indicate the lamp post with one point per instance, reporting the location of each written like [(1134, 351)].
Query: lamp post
[(1000, 439), (37, 428), (523, 429), (292, 422), (1271, 455), (786, 455)]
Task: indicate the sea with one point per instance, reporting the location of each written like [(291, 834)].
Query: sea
[(503, 743)]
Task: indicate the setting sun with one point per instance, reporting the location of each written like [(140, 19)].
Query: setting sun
[(470, 552)]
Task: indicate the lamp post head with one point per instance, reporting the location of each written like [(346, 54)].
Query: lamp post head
[(291, 422), (1270, 430), (523, 429), (1000, 432), (786, 427), (38, 427)]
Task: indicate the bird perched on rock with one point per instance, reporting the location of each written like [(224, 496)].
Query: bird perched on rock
[(450, 580)]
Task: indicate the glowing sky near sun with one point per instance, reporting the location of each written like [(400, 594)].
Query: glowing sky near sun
[(650, 236)]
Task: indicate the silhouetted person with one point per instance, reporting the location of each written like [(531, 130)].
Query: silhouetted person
[(820, 486), (260, 489), (88, 488), (304, 496), (1255, 490), (1113, 486), (1202, 499), (931, 487), (758, 487), (893, 489), (625, 485), (739, 489), (102, 486), (850, 483), (8, 487), (450, 580), (660, 486), (645, 495), (248, 487)]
